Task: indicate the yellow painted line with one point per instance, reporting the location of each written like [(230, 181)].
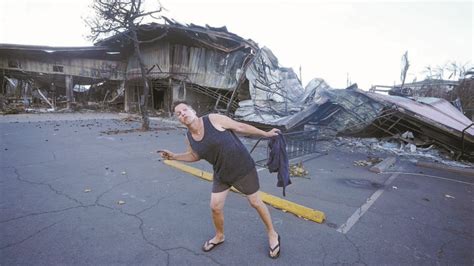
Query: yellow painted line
[(296, 209), (189, 169)]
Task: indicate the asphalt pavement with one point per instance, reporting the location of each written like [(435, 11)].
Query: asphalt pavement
[(88, 189)]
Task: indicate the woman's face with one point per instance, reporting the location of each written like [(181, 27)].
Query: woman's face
[(185, 114)]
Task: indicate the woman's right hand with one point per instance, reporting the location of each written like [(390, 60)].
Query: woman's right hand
[(166, 154)]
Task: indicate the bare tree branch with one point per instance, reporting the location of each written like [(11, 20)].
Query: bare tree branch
[(148, 13), (123, 18)]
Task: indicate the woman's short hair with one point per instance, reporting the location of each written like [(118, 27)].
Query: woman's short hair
[(176, 103)]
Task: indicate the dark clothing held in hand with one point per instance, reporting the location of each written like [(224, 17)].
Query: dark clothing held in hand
[(278, 161)]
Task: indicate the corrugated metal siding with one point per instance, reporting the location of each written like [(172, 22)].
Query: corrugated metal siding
[(158, 55), (180, 63), (197, 65), (212, 68)]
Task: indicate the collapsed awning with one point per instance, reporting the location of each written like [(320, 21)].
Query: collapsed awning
[(432, 120)]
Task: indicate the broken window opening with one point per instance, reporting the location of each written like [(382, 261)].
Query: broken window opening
[(57, 68), (158, 99), (181, 91)]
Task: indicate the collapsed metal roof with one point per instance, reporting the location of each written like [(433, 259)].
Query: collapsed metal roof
[(359, 113), (211, 37), (436, 111), (275, 92)]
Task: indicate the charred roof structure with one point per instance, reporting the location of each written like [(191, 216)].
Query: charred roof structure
[(459, 92), (431, 120)]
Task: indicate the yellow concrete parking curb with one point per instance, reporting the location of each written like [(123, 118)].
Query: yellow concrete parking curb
[(296, 209)]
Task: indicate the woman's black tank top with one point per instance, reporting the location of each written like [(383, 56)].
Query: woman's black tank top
[(224, 150)]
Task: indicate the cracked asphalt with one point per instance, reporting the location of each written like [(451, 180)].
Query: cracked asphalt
[(72, 194)]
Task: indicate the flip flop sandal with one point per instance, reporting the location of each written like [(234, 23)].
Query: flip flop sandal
[(274, 248), (213, 245)]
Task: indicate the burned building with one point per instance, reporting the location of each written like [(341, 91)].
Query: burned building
[(426, 88), (194, 63), (28, 71), (203, 65), (210, 67)]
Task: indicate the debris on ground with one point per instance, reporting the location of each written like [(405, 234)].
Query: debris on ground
[(383, 165), (369, 162), (298, 170), (131, 118), (11, 111), (133, 130), (397, 148)]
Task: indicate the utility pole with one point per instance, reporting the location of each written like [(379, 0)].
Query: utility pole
[(301, 77)]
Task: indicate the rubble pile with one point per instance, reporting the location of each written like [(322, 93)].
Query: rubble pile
[(399, 148), (419, 123)]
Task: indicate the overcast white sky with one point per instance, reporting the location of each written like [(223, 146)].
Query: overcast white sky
[(328, 39)]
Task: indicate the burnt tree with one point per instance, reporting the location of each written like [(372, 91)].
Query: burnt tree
[(124, 17)]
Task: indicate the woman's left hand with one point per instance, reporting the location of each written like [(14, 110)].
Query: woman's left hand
[(273, 132)]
